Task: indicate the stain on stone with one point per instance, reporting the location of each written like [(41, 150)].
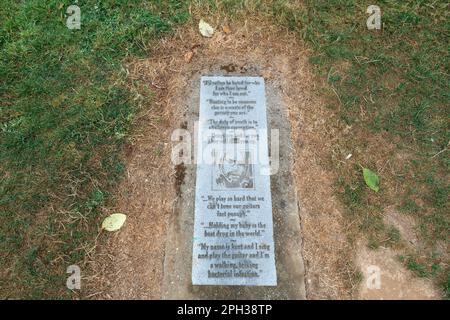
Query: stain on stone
[(180, 173)]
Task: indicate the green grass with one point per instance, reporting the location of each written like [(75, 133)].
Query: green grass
[(423, 268), (446, 285), (64, 114)]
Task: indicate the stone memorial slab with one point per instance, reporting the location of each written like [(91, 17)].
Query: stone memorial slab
[(233, 227), (183, 269)]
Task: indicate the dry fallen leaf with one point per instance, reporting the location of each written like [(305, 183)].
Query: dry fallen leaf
[(226, 29), (114, 222), (205, 29), (188, 56)]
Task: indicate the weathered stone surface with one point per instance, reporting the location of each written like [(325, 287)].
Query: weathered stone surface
[(177, 282), (233, 229)]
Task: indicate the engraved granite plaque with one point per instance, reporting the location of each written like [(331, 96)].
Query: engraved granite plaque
[(233, 230)]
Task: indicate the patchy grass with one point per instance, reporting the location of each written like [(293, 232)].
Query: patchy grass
[(389, 90), (64, 115), (394, 84), (424, 268)]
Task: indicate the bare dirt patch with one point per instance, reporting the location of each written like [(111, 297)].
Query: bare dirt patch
[(129, 263), (395, 282)]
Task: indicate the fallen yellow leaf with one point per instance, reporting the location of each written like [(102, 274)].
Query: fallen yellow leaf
[(114, 222), (226, 29)]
